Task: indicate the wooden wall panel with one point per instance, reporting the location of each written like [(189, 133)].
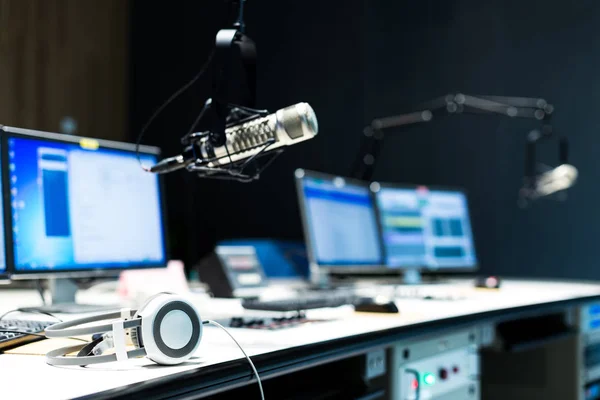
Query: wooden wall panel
[(65, 58)]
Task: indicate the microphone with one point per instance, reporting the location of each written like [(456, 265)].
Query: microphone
[(285, 127), (554, 180), (557, 179)]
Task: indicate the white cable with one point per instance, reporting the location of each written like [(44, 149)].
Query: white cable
[(262, 394)]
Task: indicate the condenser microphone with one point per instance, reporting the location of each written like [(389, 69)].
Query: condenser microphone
[(285, 127), (557, 179)]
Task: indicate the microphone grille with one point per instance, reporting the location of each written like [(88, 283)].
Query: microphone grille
[(558, 179), (298, 120)]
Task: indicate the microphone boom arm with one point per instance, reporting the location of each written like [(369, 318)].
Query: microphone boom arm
[(513, 107)]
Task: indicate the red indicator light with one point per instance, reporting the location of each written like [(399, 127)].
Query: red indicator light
[(414, 384), (455, 369)]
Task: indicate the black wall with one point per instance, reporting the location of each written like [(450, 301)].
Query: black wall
[(357, 60)]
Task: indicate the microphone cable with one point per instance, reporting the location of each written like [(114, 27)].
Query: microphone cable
[(160, 109)]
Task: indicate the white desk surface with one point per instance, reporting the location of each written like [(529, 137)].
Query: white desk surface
[(29, 376)]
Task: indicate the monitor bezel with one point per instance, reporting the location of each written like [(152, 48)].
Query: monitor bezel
[(350, 269), (12, 271), (425, 268), (5, 273)]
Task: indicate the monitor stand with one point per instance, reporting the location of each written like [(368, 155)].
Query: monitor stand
[(412, 277), (408, 277), (322, 280), (63, 291)]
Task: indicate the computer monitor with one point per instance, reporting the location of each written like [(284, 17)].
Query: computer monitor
[(339, 223), (81, 207), (425, 227)]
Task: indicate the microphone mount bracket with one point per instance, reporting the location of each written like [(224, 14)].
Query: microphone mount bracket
[(245, 171), (232, 102)]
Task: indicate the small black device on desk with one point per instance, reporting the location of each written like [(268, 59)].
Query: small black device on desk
[(313, 300), (376, 306), (16, 332), (305, 301), (233, 271)]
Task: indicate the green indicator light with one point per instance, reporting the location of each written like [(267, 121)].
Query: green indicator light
[(429, 379)]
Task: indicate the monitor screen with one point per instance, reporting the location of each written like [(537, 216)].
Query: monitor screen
[(339, 219), (424, 227), (76, 205)]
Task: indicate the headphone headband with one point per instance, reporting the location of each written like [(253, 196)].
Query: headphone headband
[(57, 357), (62, 329)]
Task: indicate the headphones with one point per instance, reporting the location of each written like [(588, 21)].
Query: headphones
[(167, 329)]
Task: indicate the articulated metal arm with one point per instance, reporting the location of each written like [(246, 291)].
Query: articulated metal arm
[(458, 103)]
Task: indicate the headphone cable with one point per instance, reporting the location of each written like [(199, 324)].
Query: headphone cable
[(262, 394)]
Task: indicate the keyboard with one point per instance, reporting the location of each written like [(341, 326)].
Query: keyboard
[(305, 301), (11, 332)]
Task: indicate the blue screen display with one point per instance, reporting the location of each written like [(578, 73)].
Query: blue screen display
[(78, 208), (425, 228), (341, 224)]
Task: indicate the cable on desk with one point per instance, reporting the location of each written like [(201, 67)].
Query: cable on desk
[(262, 394)]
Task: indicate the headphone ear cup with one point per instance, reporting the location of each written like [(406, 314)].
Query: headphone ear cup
[(171, 330)]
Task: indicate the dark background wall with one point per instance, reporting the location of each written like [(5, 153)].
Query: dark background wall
[(364, 59), (65, 58)]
